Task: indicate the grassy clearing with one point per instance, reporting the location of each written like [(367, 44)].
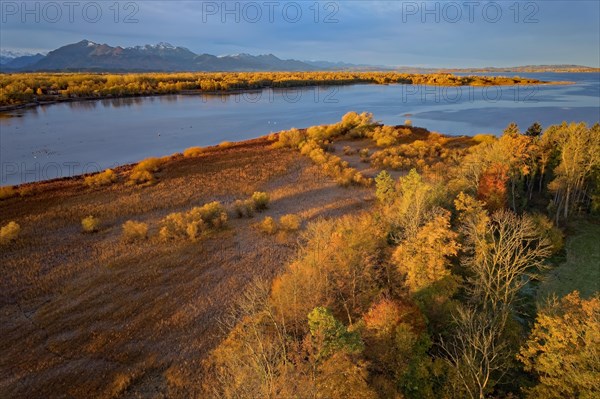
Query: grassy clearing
[(581, 270)]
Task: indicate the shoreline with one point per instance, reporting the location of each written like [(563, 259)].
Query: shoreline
[(59, 100), (130, 165), (121, 169)]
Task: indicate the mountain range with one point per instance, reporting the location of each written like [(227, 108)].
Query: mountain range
[(89, 56)]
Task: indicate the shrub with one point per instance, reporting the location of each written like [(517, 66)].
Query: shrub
[(364, 154), (9, 232), (268, 226), (7, 192), (143, 172), (101, 179), (290, 222), (141, 177), (225, 144), (417, 155), (318, 156), (292, 138), (194, 223), (150, 164), (90, 224), (133, 231), (348, 150), (342, 173), (173, 226), (261, 200), (193, 152), (194, 229), (385, 136), (317, 133), (243, 208), (357, 125), (324, 133), (213, 214)]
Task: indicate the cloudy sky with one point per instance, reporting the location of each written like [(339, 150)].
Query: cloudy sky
[(415, 33)]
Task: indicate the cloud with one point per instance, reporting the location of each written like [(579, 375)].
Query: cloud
[(376, 32)]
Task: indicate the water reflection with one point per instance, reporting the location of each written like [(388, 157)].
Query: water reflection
[(82, 105), (121, 102)]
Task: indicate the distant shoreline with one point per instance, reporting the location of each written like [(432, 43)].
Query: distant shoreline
[(59, 100)]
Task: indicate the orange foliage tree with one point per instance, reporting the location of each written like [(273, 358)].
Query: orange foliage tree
[(492, 187)]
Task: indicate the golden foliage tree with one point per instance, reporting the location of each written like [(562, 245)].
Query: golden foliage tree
[(335, 268), (579, 158), (423, 259), (563, 350)]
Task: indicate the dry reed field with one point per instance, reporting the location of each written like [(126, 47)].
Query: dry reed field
[(94, 315)]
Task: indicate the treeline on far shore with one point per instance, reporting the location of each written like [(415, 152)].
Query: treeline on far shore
[(26, 88)]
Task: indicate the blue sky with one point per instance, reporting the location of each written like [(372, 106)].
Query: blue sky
[(414, 33)]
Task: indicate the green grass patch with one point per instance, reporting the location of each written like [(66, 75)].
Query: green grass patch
[(581, 270)]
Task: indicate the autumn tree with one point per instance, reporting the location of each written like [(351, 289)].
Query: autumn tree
[(424, 258), (397, 346), (337, 267), (476, 351), (512, 128), (504, 250), (579, 149), (332, 355), (515, 153), (329, 335), (411, 208), (492, 187), (563, 350), (535, 130), (504, 162), (341, 377), (385, 187), (252, 359)]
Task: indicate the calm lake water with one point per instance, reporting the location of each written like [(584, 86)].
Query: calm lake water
[(72, 138)]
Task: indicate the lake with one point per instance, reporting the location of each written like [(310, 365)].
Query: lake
[(66, 139)]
